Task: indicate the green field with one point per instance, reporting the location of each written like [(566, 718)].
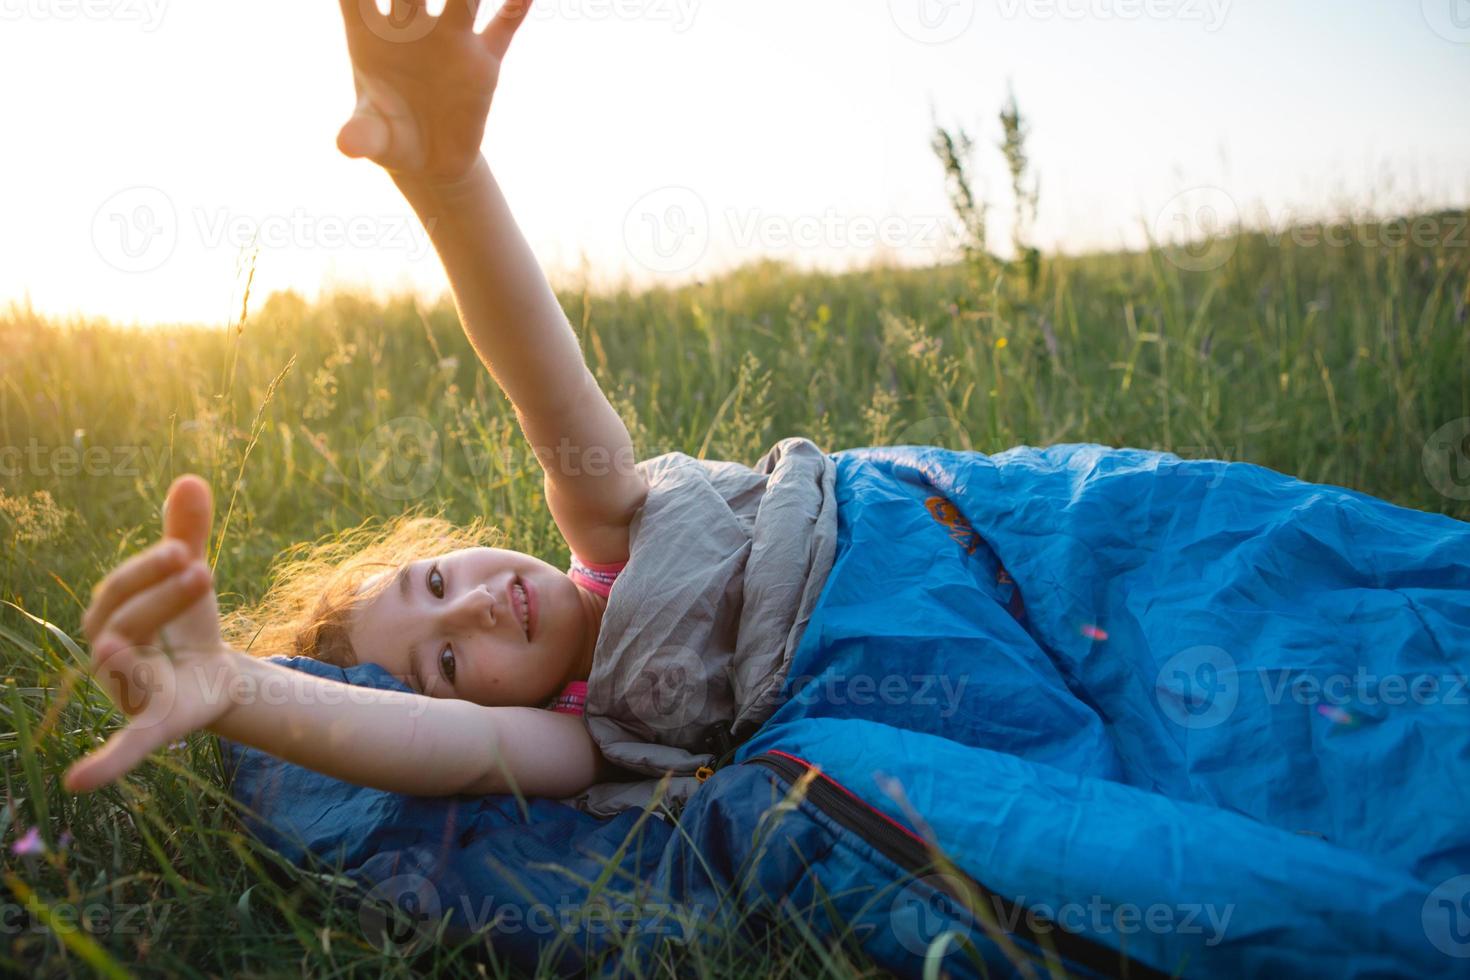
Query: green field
[(1341, 363)]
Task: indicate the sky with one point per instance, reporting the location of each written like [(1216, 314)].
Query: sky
[(151, 146)]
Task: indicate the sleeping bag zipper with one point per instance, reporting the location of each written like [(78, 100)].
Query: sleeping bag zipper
[(909, 851), (905, 849)]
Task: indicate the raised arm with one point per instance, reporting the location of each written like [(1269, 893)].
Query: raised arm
[(423, 96)]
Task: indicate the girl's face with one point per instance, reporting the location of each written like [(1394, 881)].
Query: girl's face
[(485, 625)]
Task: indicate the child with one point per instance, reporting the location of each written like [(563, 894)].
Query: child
[(480, 634)]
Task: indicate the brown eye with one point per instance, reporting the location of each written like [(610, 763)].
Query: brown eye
[(435, 582), (446, 664)]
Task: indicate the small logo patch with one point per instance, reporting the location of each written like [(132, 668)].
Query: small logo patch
[(949, 515)]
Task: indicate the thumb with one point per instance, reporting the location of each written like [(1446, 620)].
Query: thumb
[(118, 756), (188, 512), (365, 134)]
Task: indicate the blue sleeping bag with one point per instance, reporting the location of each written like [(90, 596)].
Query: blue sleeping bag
[(1159, 717)]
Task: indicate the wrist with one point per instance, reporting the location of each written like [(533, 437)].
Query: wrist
[(220, 673), (422, 187)]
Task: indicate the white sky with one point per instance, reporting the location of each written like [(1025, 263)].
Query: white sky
[(146, 140)]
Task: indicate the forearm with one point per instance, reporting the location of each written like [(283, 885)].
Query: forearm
[(517, 327), (389, 740), (403, 742), (507, 307)]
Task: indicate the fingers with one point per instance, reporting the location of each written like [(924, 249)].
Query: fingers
[(502, 27), (139, 572), (137, 620), (399, 10), (456, 15), (117, 757), (366, 21), (459, 13), (188, 513)]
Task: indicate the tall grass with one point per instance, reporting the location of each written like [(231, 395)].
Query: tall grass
[(1333, 363)]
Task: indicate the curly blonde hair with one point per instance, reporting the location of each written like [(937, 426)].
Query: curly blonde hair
[(315, 586)]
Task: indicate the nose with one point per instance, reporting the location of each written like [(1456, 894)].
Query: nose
[(477, 609)]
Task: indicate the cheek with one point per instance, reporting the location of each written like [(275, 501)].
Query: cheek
[(568, 607)]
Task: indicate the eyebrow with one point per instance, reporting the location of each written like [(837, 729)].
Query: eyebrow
[(403, 581)]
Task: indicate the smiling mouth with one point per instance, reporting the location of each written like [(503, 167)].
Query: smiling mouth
[(521, 605)]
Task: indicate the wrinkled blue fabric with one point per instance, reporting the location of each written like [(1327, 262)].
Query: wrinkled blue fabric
[(1204, 716)]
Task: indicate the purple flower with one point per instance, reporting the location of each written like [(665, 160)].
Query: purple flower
[(29, 843)]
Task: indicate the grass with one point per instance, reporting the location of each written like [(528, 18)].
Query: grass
[(1336, 363)]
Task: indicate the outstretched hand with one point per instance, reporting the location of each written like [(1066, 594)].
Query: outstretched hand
[(156, 648), (424, 83)]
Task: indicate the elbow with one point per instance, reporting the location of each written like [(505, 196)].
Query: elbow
[(485, 783)]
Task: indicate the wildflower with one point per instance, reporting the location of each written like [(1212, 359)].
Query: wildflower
[(925, 346), (29, 843), (1336, 715), (35, 519), (1000, 343)]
